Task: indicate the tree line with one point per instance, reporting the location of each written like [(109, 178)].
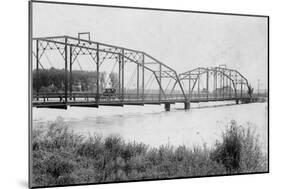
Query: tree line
[(53, 80)]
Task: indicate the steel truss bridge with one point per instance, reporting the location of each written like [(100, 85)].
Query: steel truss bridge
[(139, 77)]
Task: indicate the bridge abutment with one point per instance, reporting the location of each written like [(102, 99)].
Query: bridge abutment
[(187, 105), (167, 106)]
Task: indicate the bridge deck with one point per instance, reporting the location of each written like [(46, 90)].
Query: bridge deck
[(90, 100)]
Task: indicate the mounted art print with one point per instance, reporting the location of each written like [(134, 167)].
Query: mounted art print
[(121, 94)]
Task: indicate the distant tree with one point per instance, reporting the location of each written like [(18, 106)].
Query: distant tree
[(114, 80), (51, 80), (49, 89), (102, 83)]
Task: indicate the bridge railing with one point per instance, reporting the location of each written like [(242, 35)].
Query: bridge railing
[(213, 96), (132, 97), (78, 96)]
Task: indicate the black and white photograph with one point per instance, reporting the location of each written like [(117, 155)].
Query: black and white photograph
[(122, 94)]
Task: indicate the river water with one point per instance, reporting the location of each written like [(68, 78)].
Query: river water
[(151, 124)]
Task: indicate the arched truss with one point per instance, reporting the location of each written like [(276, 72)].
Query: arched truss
[(219, 82), (72, 48)]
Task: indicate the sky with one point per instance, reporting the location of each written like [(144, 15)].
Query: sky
[(181, 40)]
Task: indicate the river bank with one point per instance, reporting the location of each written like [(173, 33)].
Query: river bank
[(61, 156)]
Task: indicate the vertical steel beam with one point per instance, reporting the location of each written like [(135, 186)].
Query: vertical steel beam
[(230, 92), (198, 83), (207, 84), (119, 75), (220, 83), (226, 86), (223, 84), (236, 85), (215, 83), (241, 83), (37, 69), (142, 78), (138, 70), (122, 74), (189, 86), (98, 75), (66, 73), (160, 81), (70, 72)]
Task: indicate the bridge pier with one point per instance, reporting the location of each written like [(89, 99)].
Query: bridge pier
[(187, 105), (167, 106)]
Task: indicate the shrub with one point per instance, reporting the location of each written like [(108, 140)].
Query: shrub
[(228, 151), (91, 148), (239, 150), (62, 157), (252, 158)]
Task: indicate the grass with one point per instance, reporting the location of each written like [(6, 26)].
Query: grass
[(61, 157)]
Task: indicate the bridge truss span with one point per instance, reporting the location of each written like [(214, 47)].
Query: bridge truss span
[(215, 83), (70, 71), (74, 71)]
